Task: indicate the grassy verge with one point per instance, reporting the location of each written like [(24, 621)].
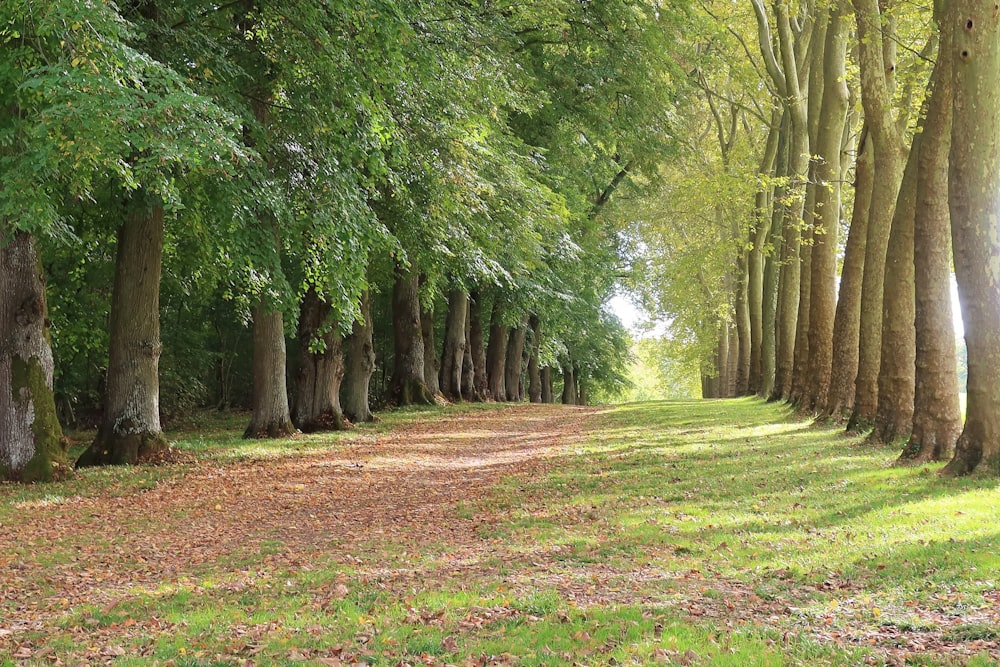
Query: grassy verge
[(684, 533)]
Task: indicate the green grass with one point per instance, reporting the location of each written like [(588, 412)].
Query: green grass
[(698, 533)]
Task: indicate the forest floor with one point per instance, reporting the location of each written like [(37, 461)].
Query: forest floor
[(680, 533)]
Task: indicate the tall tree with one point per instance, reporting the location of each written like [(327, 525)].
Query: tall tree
[(974, 176), (826, 219), (937, 418)]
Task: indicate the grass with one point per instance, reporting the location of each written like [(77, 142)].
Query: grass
[(691, 533)]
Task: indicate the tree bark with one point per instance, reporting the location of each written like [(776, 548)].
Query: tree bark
[(547, 395), (894, 414), (478, 349), (769, 291), (826, 216), (496, 355), (407, 385), (271, 418), (937, 417), (130, 427), (840, 399), (469, 390), (30, 448), (455, 346), (974, 178), (359, 364), (581, 386), (889, 155), (432, 367), (756, 263), (534, 373), (789, 80), (569, 395), (321, 368), (741, 339), (512, 364), (722, 362)]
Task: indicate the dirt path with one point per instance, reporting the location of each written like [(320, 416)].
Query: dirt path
[(403, 485)]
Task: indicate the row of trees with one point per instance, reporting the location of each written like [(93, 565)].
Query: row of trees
[(289, 165), (787, 282)]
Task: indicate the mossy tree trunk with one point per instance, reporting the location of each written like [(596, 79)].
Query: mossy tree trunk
[(359, 365), (974, 179), (30, 448), (130, 426), (407, 385), (321, 368)]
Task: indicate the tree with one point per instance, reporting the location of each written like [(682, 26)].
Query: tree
[(937, 419), (973, 178)]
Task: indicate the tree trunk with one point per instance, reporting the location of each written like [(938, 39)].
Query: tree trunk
[(359, 364), (974, 178), (270, 417), (547, 396), (432, 367), (840, 399), (755, 266), (534, 374), (889, 155), (469, 390), (130, 427), (894, 414), (496, 355), (407, 385), (321, 368), (788, 77), (30, 449), (512, 364), (741, 330), (826, 217), (722, 362), (478, 350), (937, 417), (455, 347), (581, 386), (769, 290), (569, 395)]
